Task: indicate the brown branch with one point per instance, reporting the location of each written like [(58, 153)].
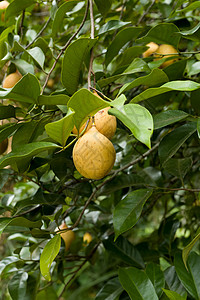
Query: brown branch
[(90, 71), (20, 31), (145, 13), (66, 45)]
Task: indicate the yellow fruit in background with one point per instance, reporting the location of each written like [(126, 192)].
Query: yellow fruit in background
[(3, 6), (105, 123), (93, 154), (50, 83), (152, 48), (164, 50), (11, 80), (3, 146), (87, 238), (67, 236)]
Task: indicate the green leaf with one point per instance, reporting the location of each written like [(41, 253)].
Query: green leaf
[(178, 167), (4, 175), (122, 37), (156, 77), (188, 248), (137, 284), (198, 127), (110, 291), (53, 99), (73, 61), (7, 130), (7, 112), (173, 295), (103, 6), (128, 210), (171, 143), (18, 221), (112, 25), (48, 255), (138, 119), (173, 282), (61, 130), (176, 70), (26, 152), (17, 286), (156, 276), (165, 33), (190, 281), (23, 66), (137, 66), (85, 104), (27, 89), (179, 85), (168, 117), (192, 34), (17, 6), (60, 15), (124, 250)]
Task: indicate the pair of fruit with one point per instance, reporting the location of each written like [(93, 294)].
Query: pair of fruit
[(69, 236), (161, 51), (94, 154)]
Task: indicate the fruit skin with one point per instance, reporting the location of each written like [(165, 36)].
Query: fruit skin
[(152, 48), (3, 146), (166, 49), (93, 154), (105, 123), (68, 236), (87, 238), (11, 80), (3, 6)]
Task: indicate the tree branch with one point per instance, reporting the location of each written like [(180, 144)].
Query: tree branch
[(92, 37), (66, 45)]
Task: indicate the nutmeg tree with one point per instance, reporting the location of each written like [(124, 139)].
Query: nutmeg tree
[(99, 150)]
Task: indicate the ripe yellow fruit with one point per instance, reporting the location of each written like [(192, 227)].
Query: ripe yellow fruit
[(3, 6), (163, 50), (87, 238), (94, 155), (152, 48), (50, 83), (68, 236), (105, 123), (11, 80), (3, 146)]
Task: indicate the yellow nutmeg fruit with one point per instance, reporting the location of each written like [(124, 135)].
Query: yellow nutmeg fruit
[(68, 236), (3, 146), (11, 80), (3, 6), (87, 238), (94, 155), (166, 51), (152, 48)]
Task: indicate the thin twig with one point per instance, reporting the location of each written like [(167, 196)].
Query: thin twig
[(66, 45), (145, 13), (92, 37), (39, 33), (135, 161), (20, 31)]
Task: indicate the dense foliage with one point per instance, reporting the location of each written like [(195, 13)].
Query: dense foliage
[(144, 215)]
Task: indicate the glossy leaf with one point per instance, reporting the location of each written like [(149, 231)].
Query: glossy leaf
[(156, 77), (122, 37), (173, 295), (60, 15), (178, 167), (198, 127), (103, 6), (124, 250), (128, 210), (168, 117), (173, 282), (7, 261), (112, 25), (72, 63), (137, 284), (7, 130), (61, 130), (7, 112), (192, 34), (156, 276), (18, 221), (85, 104), (23, 66), (171, 143), (16, 7), (188, 248), (48, 255), (165, 33), (53, 99), (26, 90), (17, 286), (184, 85), (138, 119), (26, 152), (110, 291)]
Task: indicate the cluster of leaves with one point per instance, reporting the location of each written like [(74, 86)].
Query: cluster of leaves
[(146, 211)]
